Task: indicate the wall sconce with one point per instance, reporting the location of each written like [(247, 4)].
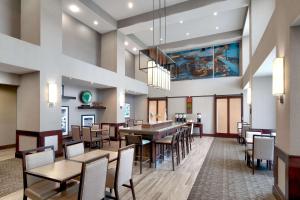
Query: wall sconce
[(249, 94), (278, 78), (52, 92), (122, 99)]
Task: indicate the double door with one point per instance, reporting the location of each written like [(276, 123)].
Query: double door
[(228, 112), (157, 109)]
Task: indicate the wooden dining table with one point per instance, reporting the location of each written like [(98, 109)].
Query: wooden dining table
[(60, 171), (113, 156)]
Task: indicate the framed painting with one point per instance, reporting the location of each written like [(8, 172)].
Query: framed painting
[(226, 60), (87, 120), (65, 120), (189, 105), (127, 110)]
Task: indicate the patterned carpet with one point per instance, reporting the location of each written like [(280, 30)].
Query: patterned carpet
[(225, 175), (10, 176)]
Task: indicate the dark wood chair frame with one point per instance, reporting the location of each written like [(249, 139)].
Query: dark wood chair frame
[(91, 137), (139, 145), (131, 186), (69, 144), (27, 152)]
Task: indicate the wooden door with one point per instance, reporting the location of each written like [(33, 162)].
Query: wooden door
[(157, 109), (228, 111)]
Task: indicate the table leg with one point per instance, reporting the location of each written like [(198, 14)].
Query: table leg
[(63, 186)]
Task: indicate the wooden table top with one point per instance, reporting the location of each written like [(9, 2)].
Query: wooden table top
[(96, 153), (150, 131), (59, 171)]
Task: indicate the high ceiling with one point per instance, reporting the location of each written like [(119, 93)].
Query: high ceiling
[(118, 9), (186, 19)]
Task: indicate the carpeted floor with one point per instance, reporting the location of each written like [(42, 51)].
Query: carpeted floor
[(10, 176), (225, 176)]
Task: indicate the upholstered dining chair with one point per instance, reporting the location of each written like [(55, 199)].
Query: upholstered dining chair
[(92, 181), (121, 136), (88, 137), (95, 126), (75, 132), (140, 145), (37, 188), (73, 148), (263, 149), (122, 174), (249, 141), (105, 134)]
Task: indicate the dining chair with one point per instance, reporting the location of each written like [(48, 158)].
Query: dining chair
[(249, 141), (245, 128), (130, 122), (172, 144), (73, 148), (95, 126), (121, 136), (92, 181), (37, 188), (122, 173), (263, 149), (139, 144), (192, 134), (105, 134), (88, 137), (75, 132)]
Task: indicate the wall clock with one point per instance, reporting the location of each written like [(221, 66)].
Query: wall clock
[(86, 97)]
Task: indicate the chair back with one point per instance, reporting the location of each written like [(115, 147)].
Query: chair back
[(93, 179), (245, 128), (130, 123), (74, 148), (36, 158), (138, 122), (95, 127), (86, 134), (124, 165), (249, 134), (263, 147), (133, 139), (75, 132), (176, 138), (106, 129)]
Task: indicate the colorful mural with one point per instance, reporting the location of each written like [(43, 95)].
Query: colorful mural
[(218, 61)]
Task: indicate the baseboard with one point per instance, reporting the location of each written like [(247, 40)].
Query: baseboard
[(224, 135), (7, 146), (277, 193)]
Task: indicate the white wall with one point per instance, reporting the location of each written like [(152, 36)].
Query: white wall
[(80, 41), (10, 13), (74, 112), (263, 103), (9, 79), (129, 64), (261, 13)]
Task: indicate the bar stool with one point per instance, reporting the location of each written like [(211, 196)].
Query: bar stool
[(173, 144), (139, 143), (182, 141)]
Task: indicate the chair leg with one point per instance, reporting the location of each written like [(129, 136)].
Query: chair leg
[(150, 153), (116, 192), (24, 197), (141, 159), (178, 153), (132, 189), (253, 165), (120, 143), (154, 159), (172, 150)]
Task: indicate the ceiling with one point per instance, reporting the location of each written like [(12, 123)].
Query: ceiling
[(197, 16), (118, 9)]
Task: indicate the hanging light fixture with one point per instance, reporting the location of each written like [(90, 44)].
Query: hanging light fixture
[(159, 63)]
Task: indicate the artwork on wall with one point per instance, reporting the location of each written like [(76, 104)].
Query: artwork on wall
[(215, 61), (87, 120), (86, 97), (226, 60), (127, 110), (189, 105), (192, 64), (65, 120)]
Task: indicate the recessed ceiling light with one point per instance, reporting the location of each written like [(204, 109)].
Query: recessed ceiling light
[(187, 34), (130, 5), (151, 29), (134, 49), (215, 13), (74, 8), (217, 28), (126, 43), (181, 21), (96, 23)]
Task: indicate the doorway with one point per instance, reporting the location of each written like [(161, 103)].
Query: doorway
[(157, 109), (228, 112)]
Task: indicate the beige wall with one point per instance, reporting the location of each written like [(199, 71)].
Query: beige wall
[(108, 51), (80, 41), (10, 12), (8, 114), (129, 64)]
